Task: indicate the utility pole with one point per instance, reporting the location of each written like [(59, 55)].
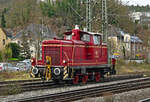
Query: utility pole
[(88, 15), (104, 20), (148, 51)]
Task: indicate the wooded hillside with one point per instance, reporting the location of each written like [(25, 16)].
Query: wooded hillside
[(63, 14)]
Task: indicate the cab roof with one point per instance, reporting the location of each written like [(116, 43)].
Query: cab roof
[(90, 33)]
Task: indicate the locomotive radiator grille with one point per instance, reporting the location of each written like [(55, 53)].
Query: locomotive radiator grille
[(54, 53)]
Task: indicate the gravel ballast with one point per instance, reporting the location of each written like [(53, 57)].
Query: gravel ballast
[(55, 90), (131, 96)]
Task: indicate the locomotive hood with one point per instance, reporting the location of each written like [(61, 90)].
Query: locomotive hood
[(47, 42), (51, 42), (53, 48)]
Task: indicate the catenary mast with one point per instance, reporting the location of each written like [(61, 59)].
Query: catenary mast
[(104, 20), (88, 15)]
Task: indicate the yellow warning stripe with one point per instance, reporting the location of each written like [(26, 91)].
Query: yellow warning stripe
[(65, 76), (65, 72), (65, 68)]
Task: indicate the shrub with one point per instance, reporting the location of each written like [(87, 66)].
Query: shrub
[(1, 56), (15, 49), (6, 54)]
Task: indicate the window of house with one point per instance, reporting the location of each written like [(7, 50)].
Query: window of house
[(85, 37), (3, 41)]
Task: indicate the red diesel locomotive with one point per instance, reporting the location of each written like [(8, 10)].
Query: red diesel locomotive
[(80, 56)]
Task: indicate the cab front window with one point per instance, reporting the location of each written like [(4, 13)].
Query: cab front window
[(96, 39), (68, 37), (85, 37)]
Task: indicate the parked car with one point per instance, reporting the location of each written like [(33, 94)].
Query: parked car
[(23, 66), (8, 67), (2, 66), (27, 60)]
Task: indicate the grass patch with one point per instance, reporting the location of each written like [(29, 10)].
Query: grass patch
[(13, 59), (132, 67), (8, 76)]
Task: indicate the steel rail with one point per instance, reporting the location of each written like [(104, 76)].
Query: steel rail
[(18, 81), (40, 85), (28, 86), (39, 80), (91, 92)]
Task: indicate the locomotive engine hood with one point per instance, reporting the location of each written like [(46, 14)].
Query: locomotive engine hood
[(51, 48), (52, 42), (54, 49)]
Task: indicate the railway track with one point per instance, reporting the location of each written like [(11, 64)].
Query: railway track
[(118, 87), (17, 81), (31, 85), (26, 85)]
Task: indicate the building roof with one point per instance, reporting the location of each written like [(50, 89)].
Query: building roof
[(6, 32), (120, 33), (35, 30), (136, 39), (115, 31)]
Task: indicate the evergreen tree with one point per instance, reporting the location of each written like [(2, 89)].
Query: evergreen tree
[(3, 21), (25, 49), (15, 49), (1, 57)]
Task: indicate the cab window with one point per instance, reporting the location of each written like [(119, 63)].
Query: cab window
[(68, 37), (96, 39), (85, 37)]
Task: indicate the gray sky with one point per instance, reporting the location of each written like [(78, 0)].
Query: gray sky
[(135, 2)]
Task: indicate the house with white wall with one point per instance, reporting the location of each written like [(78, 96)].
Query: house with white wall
[(120, 41)]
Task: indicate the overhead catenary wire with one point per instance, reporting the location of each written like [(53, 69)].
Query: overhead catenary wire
[(75, 11)]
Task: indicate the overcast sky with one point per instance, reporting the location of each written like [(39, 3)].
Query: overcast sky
[(135, 2)]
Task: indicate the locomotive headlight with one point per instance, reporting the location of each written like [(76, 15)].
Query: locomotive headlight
[(73, 34), (31, 60), (34, 70), (57, 71), (64, 61)]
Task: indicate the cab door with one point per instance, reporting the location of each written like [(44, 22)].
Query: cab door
[(97, 49), (86, 38)]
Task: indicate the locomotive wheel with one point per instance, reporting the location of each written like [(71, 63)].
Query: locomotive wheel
[(84, 79), (36, 75), (97, 77), (76, 79), (56, 81)]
